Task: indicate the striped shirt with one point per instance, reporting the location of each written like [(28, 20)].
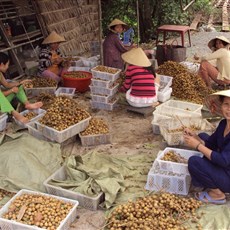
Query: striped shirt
[(140, 80)]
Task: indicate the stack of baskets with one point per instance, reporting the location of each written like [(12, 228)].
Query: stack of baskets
[(169, 176), (3, 121), (104, 87)]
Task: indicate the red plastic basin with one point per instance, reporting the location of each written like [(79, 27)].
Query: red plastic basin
[(81, 84)]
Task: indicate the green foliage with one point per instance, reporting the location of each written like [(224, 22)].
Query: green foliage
[(203, 6)]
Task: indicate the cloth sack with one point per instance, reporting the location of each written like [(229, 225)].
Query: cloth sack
[(171, 52)]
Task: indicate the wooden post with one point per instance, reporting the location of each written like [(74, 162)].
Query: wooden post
[(100, 31), (138, 24)]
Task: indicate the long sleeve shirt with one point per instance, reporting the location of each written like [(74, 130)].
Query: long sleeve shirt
[(220, 146), (222, 57), (141, 82)]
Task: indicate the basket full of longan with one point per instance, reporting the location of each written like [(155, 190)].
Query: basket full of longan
[(96, 133), (29, 210)]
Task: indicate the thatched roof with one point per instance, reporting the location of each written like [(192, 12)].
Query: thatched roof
[(77, 21)]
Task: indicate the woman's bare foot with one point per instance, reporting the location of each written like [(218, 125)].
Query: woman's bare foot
[(20, 117), (35, 105)]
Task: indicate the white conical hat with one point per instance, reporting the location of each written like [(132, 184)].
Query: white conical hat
[(213, 102), (212, 42), (136, 56), (53, 37)]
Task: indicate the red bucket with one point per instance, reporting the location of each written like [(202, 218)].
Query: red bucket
[(81, 82)]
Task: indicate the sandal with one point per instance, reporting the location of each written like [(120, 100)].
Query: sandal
[(204, 197)]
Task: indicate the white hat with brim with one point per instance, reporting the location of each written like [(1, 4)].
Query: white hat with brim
[(118, 22), (213, 102), (53, 38), (136, 56), (212, 42)]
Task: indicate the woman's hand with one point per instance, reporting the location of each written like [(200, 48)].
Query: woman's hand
[(14, 89), (24, 81), (191, 141), (189, 132)]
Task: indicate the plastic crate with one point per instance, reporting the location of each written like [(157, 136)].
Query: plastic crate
[(33, 130), (183, 105), (101, 83), (39, 112), (3, 121), (102, 99), (6, 224), (156, 128), (159, 180), (104, 91), (164, 96), (84, 201), (65, 91), (97, 139), (37, 91), (165, 82), (60, 136), (76, 68), (105, 106), (164, 111), (174, 167), (105, 75), (176, 137)]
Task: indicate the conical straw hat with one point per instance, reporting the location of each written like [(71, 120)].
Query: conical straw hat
[(213, 102), (53, 38), (118, 22), (212, 42), (136, 56)]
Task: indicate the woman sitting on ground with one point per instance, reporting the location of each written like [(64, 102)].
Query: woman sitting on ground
[(221, 73), (50, 58), (13, 89), (212, 171), (141, 83)]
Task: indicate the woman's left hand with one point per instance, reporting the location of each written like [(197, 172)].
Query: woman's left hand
[(24, 81)]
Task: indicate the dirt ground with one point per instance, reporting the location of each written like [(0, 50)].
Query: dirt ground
[(130, 133)]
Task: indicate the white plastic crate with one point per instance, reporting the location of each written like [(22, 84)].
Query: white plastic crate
[(102, 99), (76, 68), (156, 128), (172, 130), (39, 112), (6, 224), (105, 106), (97, 139), (84, 201), (165, 82), (101, 83), (3, 121), (159, 180), (33, 130), (165, 95), (104, 91), (105, 75), (174, 167), (164, 111), (60, 136), (37, 91), (64, 91), (182, 106)]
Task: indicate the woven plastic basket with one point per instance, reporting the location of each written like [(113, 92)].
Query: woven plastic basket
[(84, 201)]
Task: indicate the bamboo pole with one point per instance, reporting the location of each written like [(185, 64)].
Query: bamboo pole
[(100, 30), (138, 24)]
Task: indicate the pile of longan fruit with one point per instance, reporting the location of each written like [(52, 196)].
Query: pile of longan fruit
[(161, 211)]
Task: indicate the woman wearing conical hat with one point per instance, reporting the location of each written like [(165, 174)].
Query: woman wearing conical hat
[(50, 58), (141, 83), (112, 45), (220, 74), (211, 172)]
